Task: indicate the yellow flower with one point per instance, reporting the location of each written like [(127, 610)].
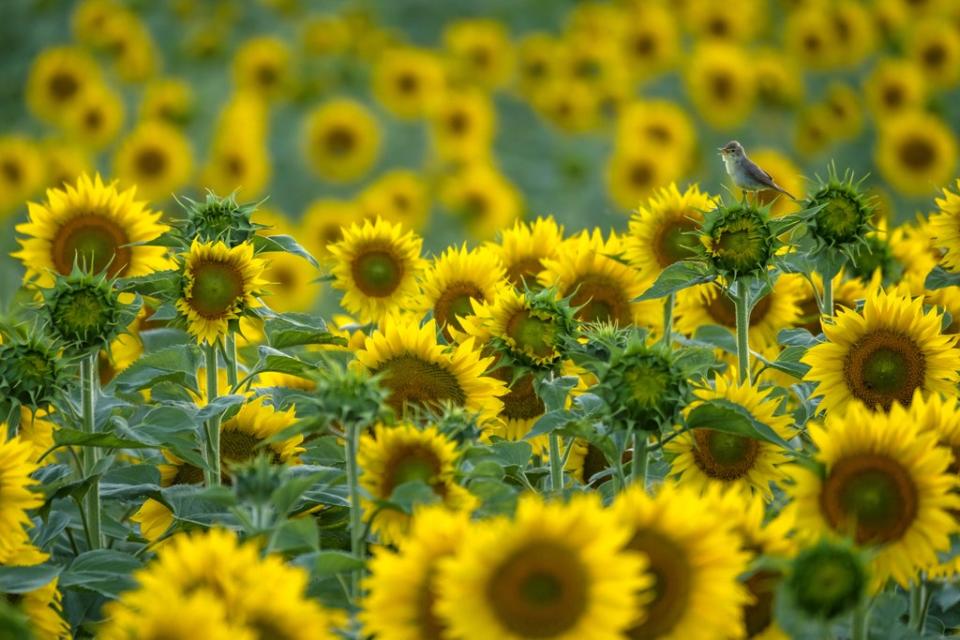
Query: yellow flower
[(846, 116), (58, 78), (408, 81), (94, 224), (886, 483), (342, 140), (376, 266), (894, 86), (571, 106), (553, 571), (95, 118), (323, 222), (42, 606), (481, 50), (538, 61), (65, 163), (157, 158), (916, 151), (463, 125), (16, 489), (810, 37), (883, 354), (853, 31), (22, 171), (325, 35), (167, 99), (658, 126), (263, 65), (399, 195), (779, 79), (483, 199), (239, 157), (457, 279), (945, 227), (633, 174), (36, 430), (291, 283), (129, 41), (934, 46), (419, 372), (523, 248), (736, 21), (651, 42), (220, 284), (720, 84), (705, 457)]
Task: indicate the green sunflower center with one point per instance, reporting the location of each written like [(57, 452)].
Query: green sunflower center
[(827, 581), (673, 580), (600, 300), (82, 313), (871, 494), (741, 245), (647, 384), (674, 241), (411, 464), (884, 367), (917, 154), (95, 242), (532, 335), (377, 272), (724, 456), (421, 384), (841, 219), (217, 288), (454, 303), (540, 590)]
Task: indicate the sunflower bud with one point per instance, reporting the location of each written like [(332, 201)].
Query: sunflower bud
[(826, 580), (844, 218), (738, 239), (84, 311), (31, 372), (219, 219)]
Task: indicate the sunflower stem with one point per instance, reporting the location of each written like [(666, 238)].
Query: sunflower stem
[(826, 310), (356, 514), (230, 356), (860, 629), (90, 455), (212, 475), (640, 459), (668, 304), (742, 308), (556, 464), (918, 596)]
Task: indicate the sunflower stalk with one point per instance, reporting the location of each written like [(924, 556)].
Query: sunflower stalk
[(351, 437), (230, 358), (212, 473), (640, 459), (826, 309), (669, 302), (90, 455), (556, 464), (918, 597), (860, 629), (741, 304)]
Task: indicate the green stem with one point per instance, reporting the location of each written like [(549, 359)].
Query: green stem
[(826, 309), (356, 513), (230, 352), (668, 303), (212, 475), (90, 455), (860, 629), (640, 459), (556, 464), (918, 596), (742, 308)]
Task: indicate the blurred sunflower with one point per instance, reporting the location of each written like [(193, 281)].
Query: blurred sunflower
[(894, 86), (93, 224), (393, 455), (884, 482), (16, 490), (696, 562), (58, 78), (847, 293), (455, 280), (399, 195), (422, 374), (704, 457), (779, 79), (167, 99), (658, 124), (944, 227), (812, 129), (538, 61), (846, 113), (22, 171), (240, 163), (934, 46), (462, 126), (571, 106), (720, 84), (291, 283), (95, 118), (342, 140), (736, 21), (482, 198), (41, 605), (883, 354), (408, 81), (554, 571), (323, 222), (633, 174), (157, 158), (810, 37), (916, 152), (481, 52), (853, 31), (128, 41), (523, 248), (376, 265), (324, 35), (198, 614), (89, 18), (263, 65), (36, 429), (65, 163), (651, 41)]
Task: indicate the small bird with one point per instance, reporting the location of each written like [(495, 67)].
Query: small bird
[(745, 173)]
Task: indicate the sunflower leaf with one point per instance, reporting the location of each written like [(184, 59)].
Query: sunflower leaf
[(281, 243), (102, 571), (165, 285), (175, 364), (330, 563), (940, 278), (26, 579), (729, 417), (295, 329), (676, 277)]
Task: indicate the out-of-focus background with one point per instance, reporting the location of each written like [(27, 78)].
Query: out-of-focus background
[(459, 117)]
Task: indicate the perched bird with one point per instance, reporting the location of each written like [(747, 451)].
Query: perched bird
[(745, 173)]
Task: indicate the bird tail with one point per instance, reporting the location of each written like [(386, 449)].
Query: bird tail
[(786, 193)]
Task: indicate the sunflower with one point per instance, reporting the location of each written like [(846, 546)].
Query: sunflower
[(462, 125), (553, 571), (705, 457), (42, 606), (812, 134), (200, 614), (22, 172), (601, 288), (810, 37), (523, 248), (634, 174), (92, 224), (323, 222), (16, 489), (886, 483), (481, 52), (883, 354), (538, 61), (168, 99), (36, 429), (532, 330), (915, 152), (845, 111), (457, 278), (408, 81), (853, 32), (58, 78), (219, 285), (780, 81), (325, 35), (156, 157), (399, 195), (393, 455), (720, 84), (401, 588), (127, 38), (847, 293), (661, 230), (894, 86), (934, 46), (291, 283), (945, 227), (377, 266), (342, 140), (482, 198), (707, 304), (240, 163), (263, 65), (650, 43), (736, 21), (95, 118), (658, 124), (64, 163), (571, 106), (696, 562)]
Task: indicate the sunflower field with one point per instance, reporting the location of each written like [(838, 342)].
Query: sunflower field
[(463, 320)]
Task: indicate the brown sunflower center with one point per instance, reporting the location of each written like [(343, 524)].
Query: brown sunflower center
[(340, 141), (674, 241), (600, 300), (151, 162), (401, 202), (12, 171), (812, 43), (643, 44), (917, 154), (236, 446), (267, 75), (934, 55), (640, 173), (63, 86), (524, 270), (521, 401), (410, 464), (407, 83), (659, 132), (234, 164), (673, 579), (217, 288), (430, 626), (94, 241), (93, 119), (718, 26), (723, 311), (416, 382), (722, 85), (540, 590), (283, 278), (724, 456), (454, 303), (533, 335), (884, 367), (458, 123), (871, 494), (758, 615), (377, 272), (187, 474)]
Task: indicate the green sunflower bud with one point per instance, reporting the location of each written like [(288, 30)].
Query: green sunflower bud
[(826, 580), (872, 254), (219, 219), (738, 239), (84, 311), (844, 218), (31, 372)]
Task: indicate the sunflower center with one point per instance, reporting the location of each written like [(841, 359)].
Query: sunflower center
[(840, 219), (476, 205), (758, 615), (283, 278), (454, 303), (340, 141), (458, 123), (600, 300), (533, 335), (594, 462), (893, 96), (234, 164), (718, 26), (540, 590), (646, 384), (917, 154), (407, 83), (827, 581), (740, 245), (217, 287), (524, 270), (674, 241), (236, 446), (673, 580), (151, 162), (266, 75), (94, 242), (377, 272), (83, 313), (63, 86), (188, 474), (521, 401), (412, 464), (640, 174), (722, 86), (724, 456), (723, 311), (12, 171), (431, 627), (934, 55), (661, 134), (884, 367), (419, 383), (93, 120), (643, 45), (812, 43), (873, 494)]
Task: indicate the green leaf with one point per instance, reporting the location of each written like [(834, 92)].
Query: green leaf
[(940, 278), (781, 225), (410, 494), (103, 571), (65, 436), (512, 453), (165, 285), (676, 277), (273, 360), (176, 364), (282, 243), (548, 422), (796, 338), (299, 535), (717, 336), (729, 417), (294, 329), (789, 362), (285, 497), (554, 391), (330, 563), (26, 579)]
